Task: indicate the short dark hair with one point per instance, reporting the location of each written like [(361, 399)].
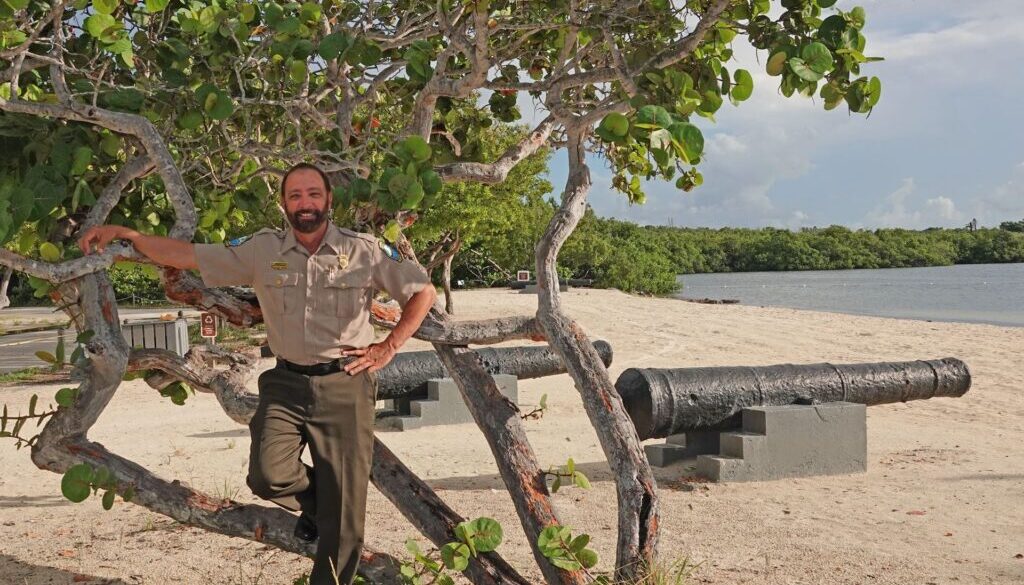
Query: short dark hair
[(312, 167)]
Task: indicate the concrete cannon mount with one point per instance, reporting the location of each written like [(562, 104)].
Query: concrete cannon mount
[(775, 442)]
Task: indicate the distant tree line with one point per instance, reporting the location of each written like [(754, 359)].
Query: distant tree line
[(647, 259)]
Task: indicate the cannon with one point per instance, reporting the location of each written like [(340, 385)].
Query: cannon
[(663, 402), (407, 374)]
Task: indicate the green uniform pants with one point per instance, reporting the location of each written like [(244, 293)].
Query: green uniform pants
[(333, 416)]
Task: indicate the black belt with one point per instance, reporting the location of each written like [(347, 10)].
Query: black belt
[(321, 369)]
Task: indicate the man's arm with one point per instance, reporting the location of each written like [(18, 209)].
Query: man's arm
[(163, 251), (377, 355)]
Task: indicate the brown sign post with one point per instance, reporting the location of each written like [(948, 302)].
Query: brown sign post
[(208, 325)]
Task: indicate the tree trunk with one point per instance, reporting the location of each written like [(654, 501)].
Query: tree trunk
[(446, 279), (5, 282), (635, 484)]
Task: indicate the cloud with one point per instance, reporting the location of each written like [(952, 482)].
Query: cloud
[(902, 209), (1004, 202)]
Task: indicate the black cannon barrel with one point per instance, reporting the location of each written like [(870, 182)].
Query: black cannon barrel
[(407, 374), (665, 402)]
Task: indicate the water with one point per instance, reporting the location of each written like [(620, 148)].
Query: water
[(972, 293)]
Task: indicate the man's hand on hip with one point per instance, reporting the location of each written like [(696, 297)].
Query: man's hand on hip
[(371, 358)]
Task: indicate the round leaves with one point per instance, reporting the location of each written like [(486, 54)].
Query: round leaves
[(76, 485), (216, 103), (743, 86)]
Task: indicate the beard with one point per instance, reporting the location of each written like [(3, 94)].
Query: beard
[(307, 221)]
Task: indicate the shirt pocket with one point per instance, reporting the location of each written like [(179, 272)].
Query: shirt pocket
[(347, 291), (282, 292)]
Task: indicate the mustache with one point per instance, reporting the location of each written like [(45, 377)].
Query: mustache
[(310, 224)]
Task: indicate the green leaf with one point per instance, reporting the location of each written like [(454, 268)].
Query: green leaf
[(221, 108), (246, 13), (743, 85), (431, 181), (566, 563), (75, 485), (455, 556), (417, 148), (66, 397), (556, 485), (831, 30), (803, 71), (96, 24), (102, 477), (191, 120), (661, 138), (392, 231), (32, 402), (49, 252), (334, 44), (288, 25), (82, 158), (413, 547), (297, 71), (825, 3), (817, 57), (17, 4), (108, 499), (153, 6), (581, 480), (587, 557), (616, 123), (655, 115), (690, 138), (548, 540), (579, 543), (46, 357), (487, 534), (105, 6), (857, 17)]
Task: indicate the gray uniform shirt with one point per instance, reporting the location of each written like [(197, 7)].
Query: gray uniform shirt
[(314, 305)]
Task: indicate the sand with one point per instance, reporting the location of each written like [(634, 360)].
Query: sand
[(942, 501)]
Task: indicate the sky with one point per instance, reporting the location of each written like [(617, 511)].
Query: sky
[(945, 144)]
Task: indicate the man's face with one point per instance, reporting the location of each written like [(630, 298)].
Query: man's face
[(306, 201)]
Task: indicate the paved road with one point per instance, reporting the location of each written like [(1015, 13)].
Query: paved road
[(17, 350)]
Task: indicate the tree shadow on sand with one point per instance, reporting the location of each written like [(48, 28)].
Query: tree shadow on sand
[(18, 572)]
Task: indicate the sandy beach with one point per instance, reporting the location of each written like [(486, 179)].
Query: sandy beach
[(942, 501)]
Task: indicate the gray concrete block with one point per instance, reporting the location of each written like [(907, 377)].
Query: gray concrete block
[(791, 441), (682, 446), (444, 404)]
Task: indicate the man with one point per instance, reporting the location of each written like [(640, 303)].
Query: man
[(315, 284)]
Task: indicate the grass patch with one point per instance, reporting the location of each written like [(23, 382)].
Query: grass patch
[(44, 375)]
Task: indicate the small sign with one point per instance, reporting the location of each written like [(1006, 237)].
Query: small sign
[(208, 325), (523, 276)]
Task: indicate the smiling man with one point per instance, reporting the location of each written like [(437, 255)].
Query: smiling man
[(315, 284)]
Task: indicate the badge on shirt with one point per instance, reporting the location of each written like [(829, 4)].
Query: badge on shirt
[(390, 251), (237, 241), (343, 261), (279, 265)]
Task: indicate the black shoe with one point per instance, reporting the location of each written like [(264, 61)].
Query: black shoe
[(305, 528)]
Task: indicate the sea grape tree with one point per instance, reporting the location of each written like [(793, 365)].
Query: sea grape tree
[(177, 117)]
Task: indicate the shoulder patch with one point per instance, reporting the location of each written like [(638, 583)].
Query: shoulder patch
[(237, 241), (389, 251)]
